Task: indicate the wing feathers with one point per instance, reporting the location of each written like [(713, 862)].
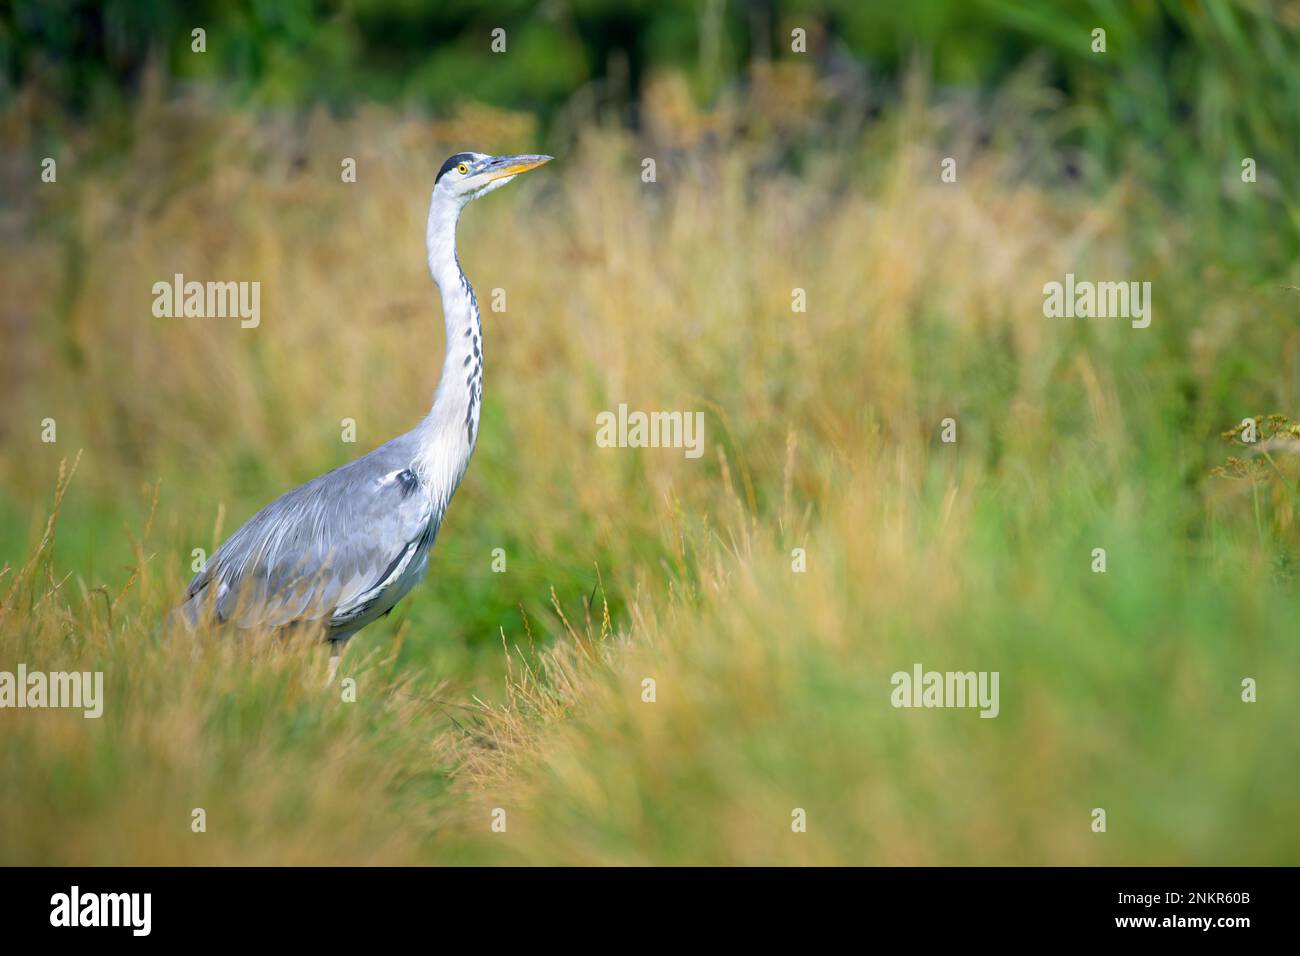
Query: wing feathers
[(329, 548)]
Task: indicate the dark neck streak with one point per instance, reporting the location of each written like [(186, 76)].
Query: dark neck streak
[(451, 428), (473, 362)]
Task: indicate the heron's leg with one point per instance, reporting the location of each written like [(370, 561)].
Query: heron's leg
[(336, 651)]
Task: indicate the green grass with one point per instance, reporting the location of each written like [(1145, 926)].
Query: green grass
[(523, 691)]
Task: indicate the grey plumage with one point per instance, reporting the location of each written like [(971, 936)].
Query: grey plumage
[(345, 547)]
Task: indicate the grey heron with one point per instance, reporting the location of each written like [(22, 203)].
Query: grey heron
[(343, 549)]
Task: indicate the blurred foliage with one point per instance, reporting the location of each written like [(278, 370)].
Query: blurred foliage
[(523, 690), (1183, 93), (776, 171)]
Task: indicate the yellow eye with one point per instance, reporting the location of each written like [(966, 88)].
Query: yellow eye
[(462, 169)]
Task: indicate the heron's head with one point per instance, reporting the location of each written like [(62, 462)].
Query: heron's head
[(467, 176)]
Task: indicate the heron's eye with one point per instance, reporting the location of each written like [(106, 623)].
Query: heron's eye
[(462, 169)]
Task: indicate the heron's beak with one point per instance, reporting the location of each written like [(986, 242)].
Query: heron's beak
[(503, 166)]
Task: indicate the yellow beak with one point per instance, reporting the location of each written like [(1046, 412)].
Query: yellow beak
[(503, 166)]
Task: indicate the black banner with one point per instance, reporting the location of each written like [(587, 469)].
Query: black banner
[(333, 906)]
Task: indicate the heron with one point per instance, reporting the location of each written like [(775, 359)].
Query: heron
[(340, 551)]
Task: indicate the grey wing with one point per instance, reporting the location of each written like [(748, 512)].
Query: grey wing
[(327, 549)]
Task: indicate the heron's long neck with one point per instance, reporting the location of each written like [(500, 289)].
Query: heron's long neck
[(451, 428)]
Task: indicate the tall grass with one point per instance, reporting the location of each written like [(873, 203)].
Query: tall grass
[(523, 691)]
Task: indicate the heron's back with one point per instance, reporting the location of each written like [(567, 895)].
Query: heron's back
[(341, 549)]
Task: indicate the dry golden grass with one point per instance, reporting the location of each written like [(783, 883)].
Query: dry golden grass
[(925, 301)]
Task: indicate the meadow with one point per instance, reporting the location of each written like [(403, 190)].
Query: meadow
[(522, 690)]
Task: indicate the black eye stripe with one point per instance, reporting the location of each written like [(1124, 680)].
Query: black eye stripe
[(452, 162)]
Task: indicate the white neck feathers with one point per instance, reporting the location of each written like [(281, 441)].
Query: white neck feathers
[(451, 428)]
